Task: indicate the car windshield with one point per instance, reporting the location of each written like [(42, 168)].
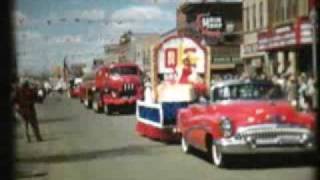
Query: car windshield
[(249, 91), (130, 70)]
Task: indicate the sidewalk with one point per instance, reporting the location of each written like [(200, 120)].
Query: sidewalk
[(27, 166)]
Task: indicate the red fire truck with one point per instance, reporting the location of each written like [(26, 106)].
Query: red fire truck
[(117, 86)]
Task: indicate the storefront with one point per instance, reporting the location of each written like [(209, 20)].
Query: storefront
[(217, 25), (225, 60), (288, 47), (255, 62)]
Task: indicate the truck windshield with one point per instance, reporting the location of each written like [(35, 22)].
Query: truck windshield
[(124, 71), (248, 92)]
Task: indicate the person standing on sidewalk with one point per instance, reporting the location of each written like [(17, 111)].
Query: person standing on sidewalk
[(25, 101), (292, 90)]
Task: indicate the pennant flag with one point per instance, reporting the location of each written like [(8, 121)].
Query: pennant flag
[(65, 69)]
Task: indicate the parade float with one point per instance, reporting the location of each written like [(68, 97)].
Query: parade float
[(179, 77)]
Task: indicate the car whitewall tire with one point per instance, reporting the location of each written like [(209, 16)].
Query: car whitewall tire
[(95, 106), (184, 145), (106, 109), (218, 158), (86, 102)]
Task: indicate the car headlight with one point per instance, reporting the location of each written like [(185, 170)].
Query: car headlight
[(294, 103), (226, 126), (114, 94)]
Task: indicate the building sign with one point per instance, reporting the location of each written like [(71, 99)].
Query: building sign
[(211, 22), (250, 48), (226, 60), (173, 51), (210, 25), (289, 35)]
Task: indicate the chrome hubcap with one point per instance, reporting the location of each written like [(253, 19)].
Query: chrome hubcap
[(216, 155), (95, 106), (106, 110), (184, 145)]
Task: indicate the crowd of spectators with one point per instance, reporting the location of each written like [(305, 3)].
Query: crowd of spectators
[(299, 90)]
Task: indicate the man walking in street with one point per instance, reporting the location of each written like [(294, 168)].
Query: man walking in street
[(25, 101)]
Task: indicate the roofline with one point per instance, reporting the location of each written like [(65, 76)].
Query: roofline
[(185, 6)]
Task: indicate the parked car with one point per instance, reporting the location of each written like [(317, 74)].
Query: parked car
[(245, 117), (85, 87), (41, 94), (74, 87), (85, 93)]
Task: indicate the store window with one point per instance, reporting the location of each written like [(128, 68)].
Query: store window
[(244, 19), (248, 18), (254, 17), (261, 13), (283, 10), (294, 8), (303, 8), (277, 8)]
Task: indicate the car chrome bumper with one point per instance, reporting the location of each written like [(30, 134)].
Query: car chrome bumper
[(238, 147), (283, 144)]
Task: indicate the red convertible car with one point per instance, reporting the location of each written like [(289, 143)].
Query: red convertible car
[(245, 117)]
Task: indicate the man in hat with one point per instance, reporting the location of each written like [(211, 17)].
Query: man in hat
[(25, 101)]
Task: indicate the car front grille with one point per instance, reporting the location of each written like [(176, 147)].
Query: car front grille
[(272, 131), (129, 89)]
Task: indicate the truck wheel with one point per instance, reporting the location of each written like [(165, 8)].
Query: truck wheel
[(95, 103), (184, 145), (95, 106), (108, 109), (219, 159)]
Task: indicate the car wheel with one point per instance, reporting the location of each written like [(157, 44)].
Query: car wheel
[(95, 106), (107, 109), (218, 158), (184, 145), (87, 103)]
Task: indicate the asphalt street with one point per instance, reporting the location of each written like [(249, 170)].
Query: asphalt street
[(80, 144)]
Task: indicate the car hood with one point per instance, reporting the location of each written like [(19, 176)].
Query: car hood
[(117, 82), (245, 113)]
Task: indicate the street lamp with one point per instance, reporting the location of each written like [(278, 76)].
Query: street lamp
[(313, 19)]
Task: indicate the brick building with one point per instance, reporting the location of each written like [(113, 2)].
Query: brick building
[(112, 53), (217, 24), (137, 49), (277, 36)]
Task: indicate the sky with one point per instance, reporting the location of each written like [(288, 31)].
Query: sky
[(47, 31)]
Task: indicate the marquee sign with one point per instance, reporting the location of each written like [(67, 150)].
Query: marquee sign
[(171, 53), (211, 22), (289, 35), (210, 25)]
